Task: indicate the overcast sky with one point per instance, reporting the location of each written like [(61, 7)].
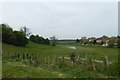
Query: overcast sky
[(63, 19)]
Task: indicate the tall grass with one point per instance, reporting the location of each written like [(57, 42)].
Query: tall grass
[(13, 68)]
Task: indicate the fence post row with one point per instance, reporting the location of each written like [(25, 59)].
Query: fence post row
[(61, 60)]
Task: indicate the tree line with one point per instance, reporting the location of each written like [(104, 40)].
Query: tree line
[(38, 39), (19, 38)]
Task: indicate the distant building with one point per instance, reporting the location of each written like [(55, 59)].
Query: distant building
[(102, 41), (92, 39), (83, 37)]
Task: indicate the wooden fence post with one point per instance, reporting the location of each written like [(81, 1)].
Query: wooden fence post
[(86, 63), (71, 63), (106, 62), (15, 56), (23, 56), (78, 60), (93, 64), (30, 59), (48, 60), (36, 61), (8, 53), (63, 60), (53, 62), (56, 60), (27, 55), (18, 57), (45, 60)]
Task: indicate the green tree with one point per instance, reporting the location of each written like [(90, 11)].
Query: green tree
[(25, 30), (47, 41), (17, 38), (7, 34), (32, 38), (39, 39)]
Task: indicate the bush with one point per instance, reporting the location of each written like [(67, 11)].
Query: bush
[(20, 39)]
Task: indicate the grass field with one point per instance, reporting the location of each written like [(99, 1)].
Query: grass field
[(22, 69)]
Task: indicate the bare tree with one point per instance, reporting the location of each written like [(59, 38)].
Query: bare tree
[(26, 31), (53, 40)]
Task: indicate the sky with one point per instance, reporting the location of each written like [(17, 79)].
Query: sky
[(66, 20)]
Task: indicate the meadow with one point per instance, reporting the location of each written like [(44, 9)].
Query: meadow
[(52, 62)]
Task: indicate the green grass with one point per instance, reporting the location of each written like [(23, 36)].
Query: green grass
[(21, 69), (38, 49), (96, 52)]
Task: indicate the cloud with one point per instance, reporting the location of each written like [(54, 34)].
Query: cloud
[(66, 20)]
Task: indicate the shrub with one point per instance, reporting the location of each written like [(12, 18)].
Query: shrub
[(19, 38)]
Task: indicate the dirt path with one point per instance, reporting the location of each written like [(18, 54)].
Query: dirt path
[(71, 47)]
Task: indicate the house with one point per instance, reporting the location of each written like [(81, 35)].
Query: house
[(98, 40), (102, 41), (92, 39)]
